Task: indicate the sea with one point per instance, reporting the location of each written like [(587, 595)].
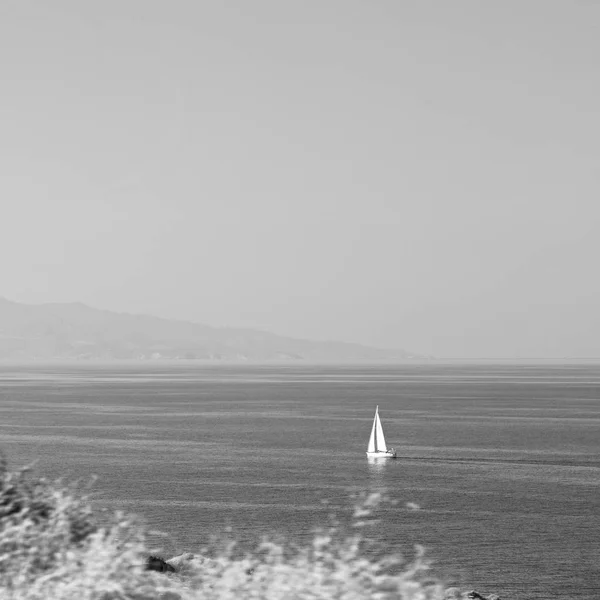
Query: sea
[(497, 474)]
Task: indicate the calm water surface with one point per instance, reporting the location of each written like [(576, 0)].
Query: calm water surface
[(503, 461)]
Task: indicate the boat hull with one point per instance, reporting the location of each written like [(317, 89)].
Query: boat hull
[(381, 454)]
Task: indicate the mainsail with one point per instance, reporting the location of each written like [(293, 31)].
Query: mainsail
[(377, 439)]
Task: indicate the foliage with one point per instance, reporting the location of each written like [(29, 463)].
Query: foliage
[(53, 548)]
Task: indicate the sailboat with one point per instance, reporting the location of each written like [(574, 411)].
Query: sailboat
[(377, 447)]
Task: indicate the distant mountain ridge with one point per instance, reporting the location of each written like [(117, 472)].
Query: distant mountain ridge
[(77, 331)]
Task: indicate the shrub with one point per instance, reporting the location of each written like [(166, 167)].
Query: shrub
[(336, 565), (52, 547)]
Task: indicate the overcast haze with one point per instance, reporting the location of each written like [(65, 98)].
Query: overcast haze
[(405, 174)]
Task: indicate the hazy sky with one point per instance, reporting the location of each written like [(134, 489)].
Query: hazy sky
[(412, 173)]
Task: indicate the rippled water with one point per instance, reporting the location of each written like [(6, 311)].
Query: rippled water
[(503, 461)]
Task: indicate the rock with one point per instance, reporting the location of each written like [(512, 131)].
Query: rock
[(156, 563), (473, 595)]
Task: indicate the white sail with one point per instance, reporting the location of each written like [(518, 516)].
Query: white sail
[(377, 439), (380, 439)]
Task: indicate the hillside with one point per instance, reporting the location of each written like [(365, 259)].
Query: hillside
[(75, 330)]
